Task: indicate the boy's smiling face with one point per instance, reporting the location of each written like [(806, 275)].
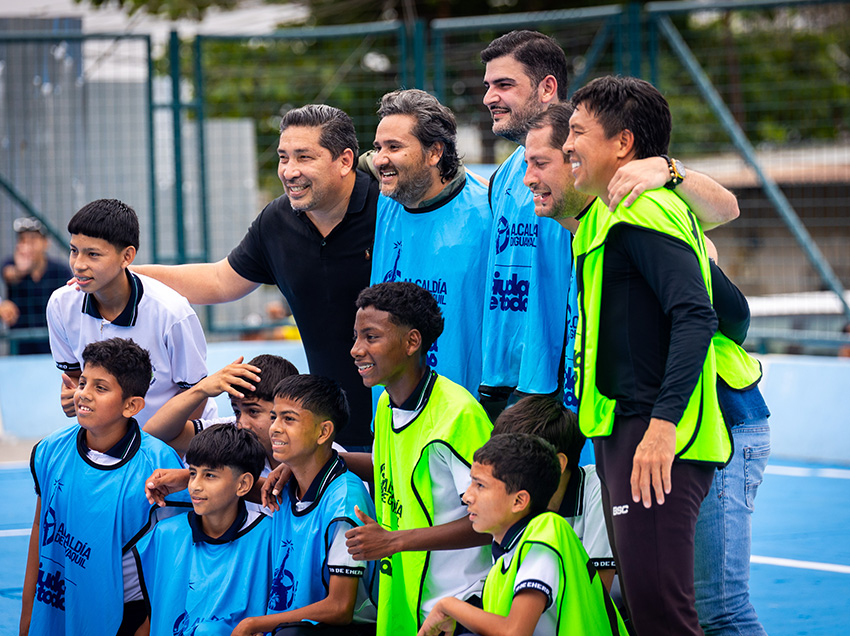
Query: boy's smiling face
[(100, 403), (382, 350), (255, 415), (296, 432), (96, 263), (215, 491), (492, 509)]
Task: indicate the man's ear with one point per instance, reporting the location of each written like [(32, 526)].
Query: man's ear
[(563, 461), (625, 144), (133, 405), (412, 342), (347, 162), (435, 153), (547, 90), (522, 500), (244, 484), (327, 431)]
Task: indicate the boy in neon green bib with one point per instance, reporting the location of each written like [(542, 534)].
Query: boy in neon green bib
[(427, 429), (542, 582)]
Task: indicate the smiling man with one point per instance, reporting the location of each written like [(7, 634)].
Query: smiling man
[(314, 243), (432, 223), (645, 359)]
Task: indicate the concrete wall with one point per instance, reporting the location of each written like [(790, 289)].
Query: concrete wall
[(809, 418)]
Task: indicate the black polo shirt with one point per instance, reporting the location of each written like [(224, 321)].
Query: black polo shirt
[(320, 278)]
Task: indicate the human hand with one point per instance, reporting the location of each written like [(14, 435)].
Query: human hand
[(66, 395), (163, 482), (9, 312), (230, 379), (653, 461), (370, 541), (437, 622), (273, 486), (246, 628), (636, 177)]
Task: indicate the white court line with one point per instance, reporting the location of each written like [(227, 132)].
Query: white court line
[(802, 565), (801, 471), (13, 465), (17, 532)]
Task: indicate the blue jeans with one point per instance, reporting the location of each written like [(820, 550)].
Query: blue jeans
[(723, 537)]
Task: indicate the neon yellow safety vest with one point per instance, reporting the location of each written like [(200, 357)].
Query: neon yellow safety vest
[(701, 434), (734, 365), (404, 491), (583, 604)]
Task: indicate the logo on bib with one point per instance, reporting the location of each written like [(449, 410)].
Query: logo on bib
[(510, 294), (515, 234)]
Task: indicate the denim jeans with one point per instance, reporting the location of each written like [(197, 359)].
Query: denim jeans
[(723, 537)]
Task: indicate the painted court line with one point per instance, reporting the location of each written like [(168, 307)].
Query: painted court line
[(17, 532), (802, 565), (801, 471)]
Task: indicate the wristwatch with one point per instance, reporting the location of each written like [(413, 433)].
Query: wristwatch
[(677, 172)]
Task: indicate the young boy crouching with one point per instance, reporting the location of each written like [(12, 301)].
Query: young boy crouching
[(206, 571), (91, 506), (542, 582), (315, 579)]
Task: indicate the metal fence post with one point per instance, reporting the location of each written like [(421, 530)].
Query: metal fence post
[(745, 148), (176, 110)]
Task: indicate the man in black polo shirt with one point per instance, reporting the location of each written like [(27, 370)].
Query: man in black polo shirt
[(314, 243)]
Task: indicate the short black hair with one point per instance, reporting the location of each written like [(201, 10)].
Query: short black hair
[(273, 370), (629, 103), (434, 123), (322, 396), (226, 445), (408, 305), (558, 117), (548, 418), (523, 462), (337, 130), (127, 361), (539, 55), (109, 219)]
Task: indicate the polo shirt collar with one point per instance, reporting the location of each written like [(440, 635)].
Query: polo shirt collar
[(124, 445), (199, 536), (330, 471), (511, 538), (130, 313), (415, 400), (573, 502)]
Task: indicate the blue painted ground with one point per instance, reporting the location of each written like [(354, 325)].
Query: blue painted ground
[(803, 518)]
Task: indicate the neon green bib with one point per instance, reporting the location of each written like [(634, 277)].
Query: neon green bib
[(404, 492), (734, 365), (701, 434), (583, 605)]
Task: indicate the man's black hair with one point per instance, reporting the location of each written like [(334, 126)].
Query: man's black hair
[(434, 124), (124, 359), (629, 103), (273, 370), (322, 396), (539, 55), (548, 418), (408, 305), (107, 219), (558, 117), (523, 462), (226, 445), (337, 130)]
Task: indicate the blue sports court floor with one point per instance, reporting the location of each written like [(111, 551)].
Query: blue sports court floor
[(801, 546)]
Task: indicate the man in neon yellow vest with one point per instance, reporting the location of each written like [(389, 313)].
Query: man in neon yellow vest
[(426, 431), (645, 362)]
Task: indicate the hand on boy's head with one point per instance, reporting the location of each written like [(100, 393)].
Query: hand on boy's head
[(370, 541), (163, 482), (66, 396), (231, 379)]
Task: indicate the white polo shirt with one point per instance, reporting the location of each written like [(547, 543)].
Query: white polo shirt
[(156, 317)]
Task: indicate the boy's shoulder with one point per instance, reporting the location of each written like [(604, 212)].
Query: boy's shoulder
[(158, 452)]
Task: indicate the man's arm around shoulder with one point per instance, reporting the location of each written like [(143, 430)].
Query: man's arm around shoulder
[(201, 283)]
